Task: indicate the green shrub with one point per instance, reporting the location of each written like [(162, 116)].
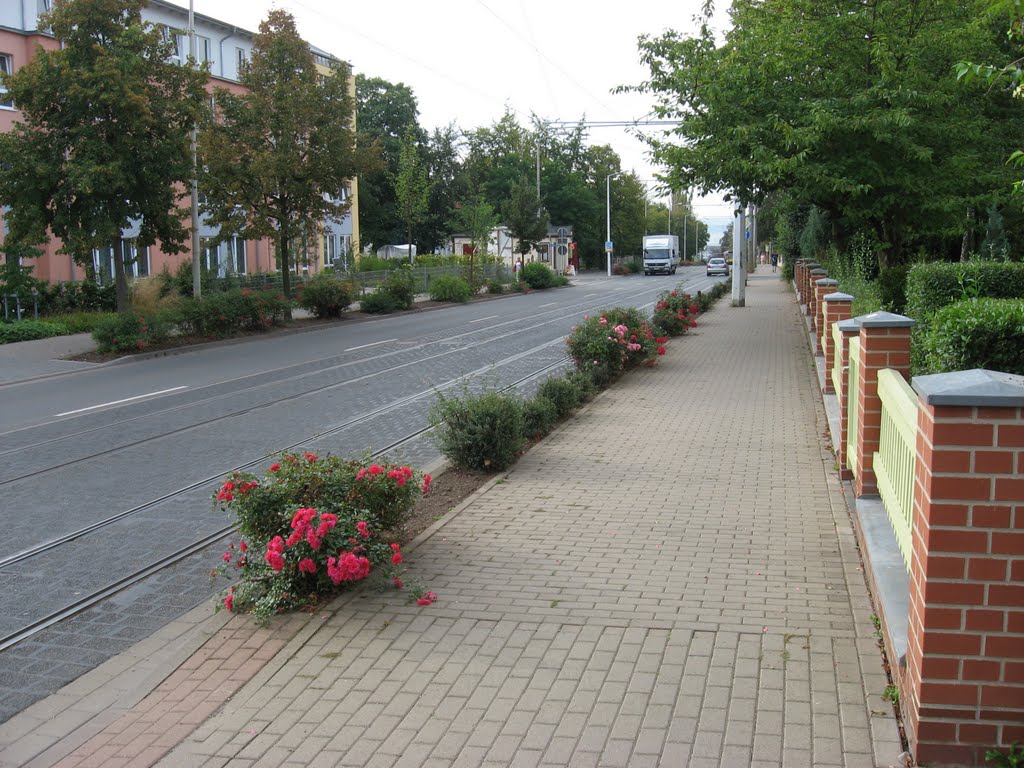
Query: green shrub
[(539, 417), (80, 322), (584, 385), (892, 289), (324, 296), (229, 313), (616, 341), (378, 303), (130, 332), (933, 285), (674, 313), (562, 394), (398, 286), (495, 286), (987, 333), (537, 275), (375, 264), (450, 288), (311, 525), (479, 432), (29, 330), (560, 280)]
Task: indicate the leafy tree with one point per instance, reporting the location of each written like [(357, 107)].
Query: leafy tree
[(726, 240), (386, 111), (850, 105), (278, 157), (478, 219), (525, 217), (104, 138), (995, 246), (412, 190), (448, 186)]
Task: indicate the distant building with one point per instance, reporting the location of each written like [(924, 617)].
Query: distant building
[(224, 47)]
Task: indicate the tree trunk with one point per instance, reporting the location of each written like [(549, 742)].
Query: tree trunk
[(286, 271), (967, 245), (120, 279)]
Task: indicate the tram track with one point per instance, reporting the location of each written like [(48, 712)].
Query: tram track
[(98, 595)]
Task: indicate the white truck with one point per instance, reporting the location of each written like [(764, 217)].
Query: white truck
[(661, 254)]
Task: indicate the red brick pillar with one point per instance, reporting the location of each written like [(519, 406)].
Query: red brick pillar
[(964, 674), (884, 343), (834, 307), (850, 328), (805, 286), (812, 296), (798, 277), (822, 286)]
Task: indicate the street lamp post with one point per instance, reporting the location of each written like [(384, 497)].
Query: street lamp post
[(608, 216)]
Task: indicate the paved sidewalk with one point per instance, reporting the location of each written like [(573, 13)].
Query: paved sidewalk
[(670, 579)]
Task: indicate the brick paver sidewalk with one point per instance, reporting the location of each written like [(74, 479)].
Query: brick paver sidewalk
[(670, 579)]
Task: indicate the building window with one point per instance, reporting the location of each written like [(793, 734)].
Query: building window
[(7, 68), (204, 51), (237, 254), (240, 59), (136, 262), (330, 249), (223, 258)]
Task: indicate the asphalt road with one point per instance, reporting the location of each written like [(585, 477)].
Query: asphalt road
[(106, 470)]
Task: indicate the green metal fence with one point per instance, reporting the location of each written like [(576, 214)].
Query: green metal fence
[(837, 357), (852, 403), (894, 463)]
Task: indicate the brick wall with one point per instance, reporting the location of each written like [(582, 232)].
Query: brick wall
[(963, 687)]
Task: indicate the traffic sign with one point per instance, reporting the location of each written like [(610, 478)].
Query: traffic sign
[(608, 245)]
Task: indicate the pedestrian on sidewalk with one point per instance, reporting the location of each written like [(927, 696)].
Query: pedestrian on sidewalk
[(775, 261)]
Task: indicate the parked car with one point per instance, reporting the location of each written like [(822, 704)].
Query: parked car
[(717, 266)]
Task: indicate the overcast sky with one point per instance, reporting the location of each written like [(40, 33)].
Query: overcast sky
[(465, 60)]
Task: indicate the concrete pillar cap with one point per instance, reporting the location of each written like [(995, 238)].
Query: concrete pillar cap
[(849, 325), (977, 387), (838, 296), (884, 320), (826, 281), (819, 271)]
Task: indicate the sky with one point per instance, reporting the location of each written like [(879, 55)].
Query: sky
[(466, 60)]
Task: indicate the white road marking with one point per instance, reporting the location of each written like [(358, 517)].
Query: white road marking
[(125, 400), (492, 317), (374, 344), (551, 304)]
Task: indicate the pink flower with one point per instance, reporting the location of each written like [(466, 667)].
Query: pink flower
[(396, 558), (227, 557), (310, 457), (423, 601), (363, 528), (274, 467), (398, 583), (395, 547), (360, 474), (347, 567), (312, 539), (276, 545), (407, 471), (229, 602), (603, 321), (274, 560), (426, 484), (243, 546), (661, 350), (224, 495), (306, 565), (376, 469), (294, 539)]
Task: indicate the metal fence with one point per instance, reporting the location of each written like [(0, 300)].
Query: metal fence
[(895, 462), (15, 307)]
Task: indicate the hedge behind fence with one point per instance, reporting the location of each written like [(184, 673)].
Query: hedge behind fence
[(987, 333), (932, 286)]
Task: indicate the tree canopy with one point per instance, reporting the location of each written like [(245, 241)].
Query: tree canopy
[(103, 145), (850, 105), (278, 157)]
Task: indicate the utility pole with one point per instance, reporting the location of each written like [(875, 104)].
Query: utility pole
[(738, 276), (608, 214), (753, 232), (197, 282)]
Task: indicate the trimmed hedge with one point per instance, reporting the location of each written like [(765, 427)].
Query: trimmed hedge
[(935, 285), (29, 330), (987, 333), (537, 275), (324, 296), (450, 288)]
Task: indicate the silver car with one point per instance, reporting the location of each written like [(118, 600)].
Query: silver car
[(717, 266)]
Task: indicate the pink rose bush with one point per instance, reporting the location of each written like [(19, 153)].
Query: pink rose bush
[(612, 343), (312, 525), (674, 314)]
